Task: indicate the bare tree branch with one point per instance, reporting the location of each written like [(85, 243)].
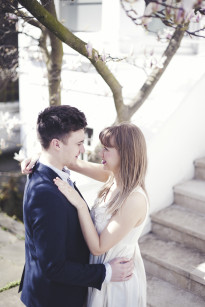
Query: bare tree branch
[(168, 19), (9, 7), (50, 22), (124, 112), (157, 72), (28, 19)]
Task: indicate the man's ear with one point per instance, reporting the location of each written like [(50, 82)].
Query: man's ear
[(56, 144)]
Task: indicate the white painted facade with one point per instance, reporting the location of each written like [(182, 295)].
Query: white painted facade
[(172, 118)]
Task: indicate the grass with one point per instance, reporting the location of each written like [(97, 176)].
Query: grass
[(4, 228), (10, 285)]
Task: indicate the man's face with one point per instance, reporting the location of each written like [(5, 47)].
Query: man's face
[(73, 147)]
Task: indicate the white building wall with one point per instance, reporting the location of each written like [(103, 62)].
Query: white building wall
[(173, 149), (33, 90), (172, 119)]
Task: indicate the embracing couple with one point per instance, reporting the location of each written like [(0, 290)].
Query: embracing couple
[(76, 257)]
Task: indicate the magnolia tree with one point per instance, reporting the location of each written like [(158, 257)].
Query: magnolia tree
[(175, 15)]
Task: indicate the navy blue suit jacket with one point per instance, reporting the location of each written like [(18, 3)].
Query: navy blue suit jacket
[(56, 273)]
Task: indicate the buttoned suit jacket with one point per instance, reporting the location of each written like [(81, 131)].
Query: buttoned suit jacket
[(56, 272)]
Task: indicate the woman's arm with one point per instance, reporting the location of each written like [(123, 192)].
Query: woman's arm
[(28, 163), (92, 170), (89, 169), (131, 214)]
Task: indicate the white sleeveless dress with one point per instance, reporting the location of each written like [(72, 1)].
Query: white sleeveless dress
[(131, 293)]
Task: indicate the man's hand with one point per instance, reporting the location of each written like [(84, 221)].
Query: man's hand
[(122, 269)]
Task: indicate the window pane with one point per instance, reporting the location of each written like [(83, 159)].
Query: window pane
[(81, 15)]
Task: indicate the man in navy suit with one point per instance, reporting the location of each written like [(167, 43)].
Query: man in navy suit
[(56, 272)]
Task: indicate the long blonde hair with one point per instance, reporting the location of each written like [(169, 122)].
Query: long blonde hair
[(131, 146)]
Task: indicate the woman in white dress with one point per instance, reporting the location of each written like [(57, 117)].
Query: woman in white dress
[(119, 213)]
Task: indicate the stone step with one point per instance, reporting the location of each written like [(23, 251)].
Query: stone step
[(9, 224), (200, 169), (181, 266), (11, 298), (179, 224), (163, 294), (12, 258), (12, 250), (191, 194)]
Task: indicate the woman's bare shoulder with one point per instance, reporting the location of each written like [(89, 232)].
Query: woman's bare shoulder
[(136, 201)]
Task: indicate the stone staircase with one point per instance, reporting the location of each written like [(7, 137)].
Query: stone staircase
[(174, 251)]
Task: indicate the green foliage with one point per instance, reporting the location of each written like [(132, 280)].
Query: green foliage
[(11, 196), (10, 93), (10, 285)]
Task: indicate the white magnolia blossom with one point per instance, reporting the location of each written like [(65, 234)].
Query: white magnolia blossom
[(8, 124), (153, 61), (165, 34), (188, 5), (197, 18), (149, 9), (103, 56), (2, 144), (89, 49), (96, 56), (20, 156), (160, 62)]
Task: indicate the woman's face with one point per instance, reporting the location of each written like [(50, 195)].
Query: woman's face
[(110, 159)]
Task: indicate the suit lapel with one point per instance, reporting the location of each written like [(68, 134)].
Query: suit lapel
[(51, 175), (81, 195)]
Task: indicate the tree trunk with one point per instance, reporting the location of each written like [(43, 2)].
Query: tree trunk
[(54, 61), (124, 112), (54, 26)]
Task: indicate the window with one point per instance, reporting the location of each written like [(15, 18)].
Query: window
[(81, 15), (88, 143)]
